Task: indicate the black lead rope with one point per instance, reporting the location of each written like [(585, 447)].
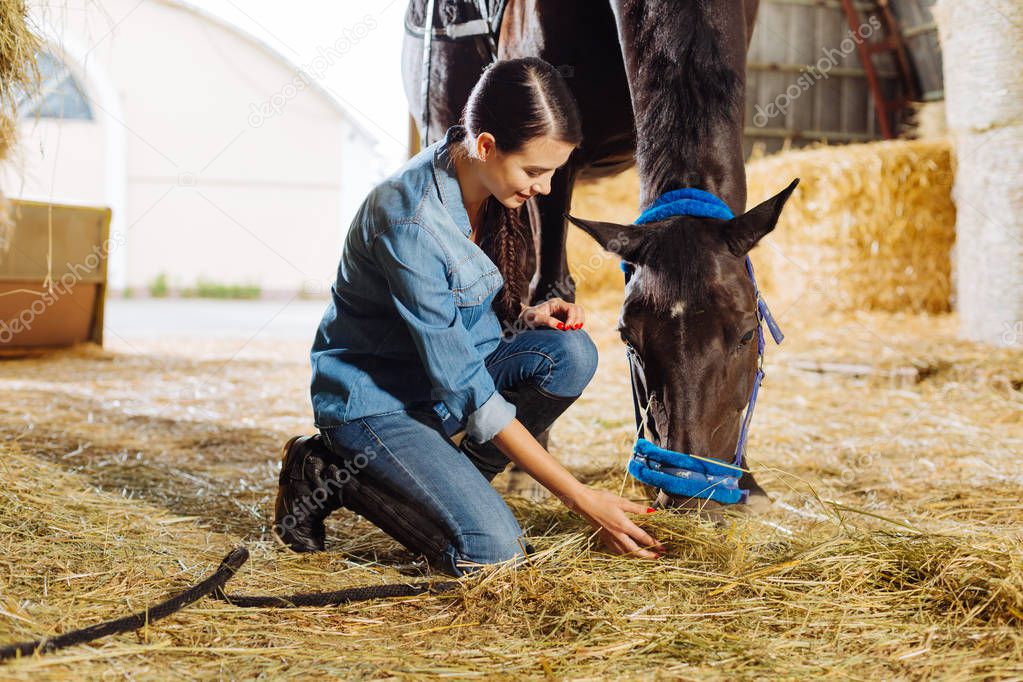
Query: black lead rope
[(214, 586), (352, 594), (231, 563)]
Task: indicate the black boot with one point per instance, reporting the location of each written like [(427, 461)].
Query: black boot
[(314, 483), (308, 491), (535, 408)]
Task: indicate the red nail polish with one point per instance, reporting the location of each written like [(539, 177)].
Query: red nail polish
[(577, 326), (650, 510), (560, 325)]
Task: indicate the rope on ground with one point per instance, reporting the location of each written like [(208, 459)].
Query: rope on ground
[(214, 586), (339, 597)]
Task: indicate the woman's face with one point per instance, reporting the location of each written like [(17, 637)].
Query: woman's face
[(515, 177)]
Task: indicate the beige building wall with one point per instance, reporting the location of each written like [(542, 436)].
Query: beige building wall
[(71, 177), (218, 161)]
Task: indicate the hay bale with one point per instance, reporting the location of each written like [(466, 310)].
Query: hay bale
[(870, 227), (927, 120), (18, 74), (983, 53), (18, 47)]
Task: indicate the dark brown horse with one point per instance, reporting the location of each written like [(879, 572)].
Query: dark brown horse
[(660, 83)]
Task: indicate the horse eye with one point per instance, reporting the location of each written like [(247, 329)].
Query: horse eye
[(747, 337)]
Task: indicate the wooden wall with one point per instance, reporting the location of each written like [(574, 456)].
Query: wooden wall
[(791, 39)]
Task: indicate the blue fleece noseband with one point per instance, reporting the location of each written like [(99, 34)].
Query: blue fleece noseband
[(677, 473)]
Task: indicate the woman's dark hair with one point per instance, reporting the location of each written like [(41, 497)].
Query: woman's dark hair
[(517, 100)]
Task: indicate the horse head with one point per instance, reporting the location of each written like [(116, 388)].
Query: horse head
[(690, 318)]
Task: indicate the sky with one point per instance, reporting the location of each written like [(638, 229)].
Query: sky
[(367, 35)]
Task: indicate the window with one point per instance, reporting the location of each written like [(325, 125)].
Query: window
[(60, 94)]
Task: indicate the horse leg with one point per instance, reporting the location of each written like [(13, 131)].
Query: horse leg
[(549, 232), (553, 278)]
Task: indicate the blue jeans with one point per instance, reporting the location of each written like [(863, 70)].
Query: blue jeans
[(411, 452)]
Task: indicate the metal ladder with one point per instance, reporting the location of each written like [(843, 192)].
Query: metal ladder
[(887, 110)]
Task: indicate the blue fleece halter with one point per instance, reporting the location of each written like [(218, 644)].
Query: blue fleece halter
[(677, 473)]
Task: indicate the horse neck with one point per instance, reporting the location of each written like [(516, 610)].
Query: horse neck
[(686, 66)]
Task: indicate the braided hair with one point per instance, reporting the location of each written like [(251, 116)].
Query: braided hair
[(517, 100)]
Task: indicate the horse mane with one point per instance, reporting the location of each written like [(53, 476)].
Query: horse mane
[(686, 86)]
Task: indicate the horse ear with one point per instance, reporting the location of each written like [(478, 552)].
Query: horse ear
[(624, 240), (743, 232)]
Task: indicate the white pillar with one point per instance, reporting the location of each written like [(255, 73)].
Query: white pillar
[(982, 49)]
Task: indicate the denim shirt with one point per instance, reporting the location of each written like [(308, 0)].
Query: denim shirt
[(410, 319)]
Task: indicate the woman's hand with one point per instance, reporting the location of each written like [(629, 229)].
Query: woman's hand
[(606, 511), (554, 312)]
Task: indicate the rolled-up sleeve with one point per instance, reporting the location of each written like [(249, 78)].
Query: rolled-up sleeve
[(413, 263)]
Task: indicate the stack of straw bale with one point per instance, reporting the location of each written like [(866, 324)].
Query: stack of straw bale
[(982, 44), (870, 227)]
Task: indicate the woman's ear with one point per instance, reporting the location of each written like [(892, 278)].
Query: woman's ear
[(485, 145)]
